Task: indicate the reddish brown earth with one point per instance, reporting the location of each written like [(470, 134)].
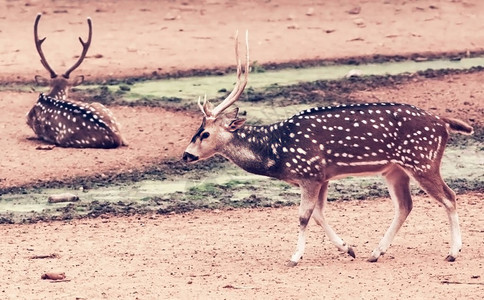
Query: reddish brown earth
[(140, 37), (241, 253)]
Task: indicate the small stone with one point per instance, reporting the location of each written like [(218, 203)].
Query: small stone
[(359, 22), (355, 10)]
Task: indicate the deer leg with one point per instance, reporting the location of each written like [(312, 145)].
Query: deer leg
[(399, 187), (437, 189), (309, 196), (318, 216)]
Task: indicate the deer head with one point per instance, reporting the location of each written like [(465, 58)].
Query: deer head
[(218, 127), (59, 84)]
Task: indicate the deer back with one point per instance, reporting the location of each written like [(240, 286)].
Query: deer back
[(361, 138), (74, 124)]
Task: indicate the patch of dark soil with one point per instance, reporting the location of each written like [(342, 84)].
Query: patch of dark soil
[(158, 205), (462, 185), (377, 58), (106, 96), (7, 219), (96, 209), (254, 201), (182, 208), (157, 171), (323, 92), (222, 198), (297, 64), (336, 91), (101, 95)]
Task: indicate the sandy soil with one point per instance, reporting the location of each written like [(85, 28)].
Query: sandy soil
[(237, 253), (241, 255), (140, 37)]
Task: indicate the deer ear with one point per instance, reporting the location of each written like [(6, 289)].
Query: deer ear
[(235, 124), (78, 80), (42, 81), (232, 114)]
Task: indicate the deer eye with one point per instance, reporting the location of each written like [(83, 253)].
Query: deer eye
[(205, 135)]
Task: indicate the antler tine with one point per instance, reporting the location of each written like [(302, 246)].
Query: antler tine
[(247, 55), (38, 45), (85, 47), (239, 85), (202, 106)]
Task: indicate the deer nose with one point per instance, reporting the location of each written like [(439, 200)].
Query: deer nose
[(188, 157)]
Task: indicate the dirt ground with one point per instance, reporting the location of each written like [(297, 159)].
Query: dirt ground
[(193, 255), (241, 254), (133, 38)]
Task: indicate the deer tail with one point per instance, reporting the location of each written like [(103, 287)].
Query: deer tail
[(459, 126)]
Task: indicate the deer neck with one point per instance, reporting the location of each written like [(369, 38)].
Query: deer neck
[(255, 149), (58, 93)]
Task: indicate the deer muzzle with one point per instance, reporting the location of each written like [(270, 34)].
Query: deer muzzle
[(188, 157)]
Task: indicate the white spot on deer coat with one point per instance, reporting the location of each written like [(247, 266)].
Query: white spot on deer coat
[(300, 150)]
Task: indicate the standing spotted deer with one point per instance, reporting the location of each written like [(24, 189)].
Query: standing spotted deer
[(398, 141), (70, 123)]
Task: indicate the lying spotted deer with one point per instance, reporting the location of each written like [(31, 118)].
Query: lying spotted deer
[(70, 123), (317, 145)]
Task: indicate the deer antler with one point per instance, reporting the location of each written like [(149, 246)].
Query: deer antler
[(202, 106), (239, 85), (38, 45), (85, 47)]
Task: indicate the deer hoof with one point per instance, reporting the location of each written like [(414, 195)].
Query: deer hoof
[(291, 264), (351, 252), (450, 258), (372, 259)]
